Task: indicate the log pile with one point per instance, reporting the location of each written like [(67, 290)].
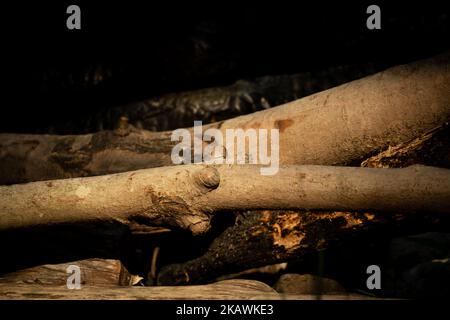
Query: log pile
[(371, 152)]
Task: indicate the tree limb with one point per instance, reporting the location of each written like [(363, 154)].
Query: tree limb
[(335, 127), (187, 196), (261, 238)]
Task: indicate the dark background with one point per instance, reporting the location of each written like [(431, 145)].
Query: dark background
[(142, 49), (129, 51)]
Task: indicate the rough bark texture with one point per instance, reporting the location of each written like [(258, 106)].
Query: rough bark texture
[(264, 238), (26, 158), (431, 148), (187, 196), (341, 125)]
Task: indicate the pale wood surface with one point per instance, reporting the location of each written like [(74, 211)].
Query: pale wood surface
[(224, 290)]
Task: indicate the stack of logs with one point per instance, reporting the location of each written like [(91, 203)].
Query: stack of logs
[(369, 152)]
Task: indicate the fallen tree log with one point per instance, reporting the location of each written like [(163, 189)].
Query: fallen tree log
[(339, 126), (224, 290), (94, 272), (176, 110), (38, 157), (187, 196), (266, 237), (231, 289)]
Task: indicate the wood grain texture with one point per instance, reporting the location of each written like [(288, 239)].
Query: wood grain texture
[(224, 290), (94, 272)]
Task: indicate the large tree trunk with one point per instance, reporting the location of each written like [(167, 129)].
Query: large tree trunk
[(176, 110), (338, 126)]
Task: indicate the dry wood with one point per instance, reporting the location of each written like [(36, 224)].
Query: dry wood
[(334, 127), (268, 237), (176, 110), (230, 289), (187, 196), (39, 157), (94, 272), (224, 290)]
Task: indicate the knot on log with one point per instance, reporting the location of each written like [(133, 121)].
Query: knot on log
[(207, 177), (198, 224)]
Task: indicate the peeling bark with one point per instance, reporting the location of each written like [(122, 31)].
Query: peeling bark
[(267, 237), (25, 158)]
